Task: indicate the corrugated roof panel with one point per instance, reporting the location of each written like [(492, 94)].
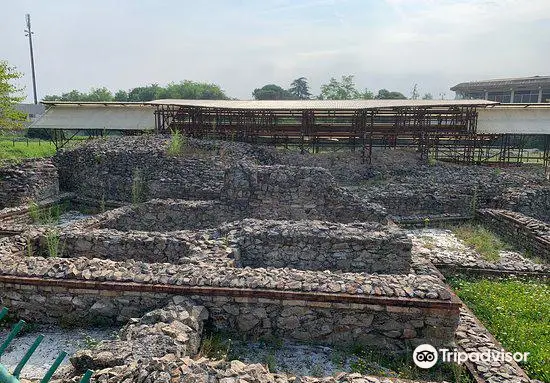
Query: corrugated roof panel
[(519, 82), (317, 104)]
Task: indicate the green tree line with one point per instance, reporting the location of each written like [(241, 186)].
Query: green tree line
[(185, 90), (343, 89)]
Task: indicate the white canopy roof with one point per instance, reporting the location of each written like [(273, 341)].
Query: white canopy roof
[(318, 104), (108, 116)]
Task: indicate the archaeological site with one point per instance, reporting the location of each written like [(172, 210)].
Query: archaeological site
[(210, 260)]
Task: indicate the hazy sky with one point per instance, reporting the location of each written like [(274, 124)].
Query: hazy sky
[(245, 44)]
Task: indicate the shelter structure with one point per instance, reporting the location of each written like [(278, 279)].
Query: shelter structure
[(312, 124), (463, 131), (521, 90), (64, 120)]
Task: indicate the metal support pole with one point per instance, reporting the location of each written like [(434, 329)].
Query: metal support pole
[(11, 335), (29, 33), (54, 367), (27, 355)]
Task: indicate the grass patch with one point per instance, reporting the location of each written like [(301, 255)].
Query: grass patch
[(483, 241), (517, 313), (13, 150)]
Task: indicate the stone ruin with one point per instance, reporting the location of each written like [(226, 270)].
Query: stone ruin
[(229, 235)]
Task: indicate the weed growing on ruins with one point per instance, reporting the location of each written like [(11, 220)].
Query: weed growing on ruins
[(177, 142), (516, 312), (29, 247), (484, 242), (91, 342), (535, 258), (53, 241), (44, 215), (271, 362), (138, 186), (215, 346)]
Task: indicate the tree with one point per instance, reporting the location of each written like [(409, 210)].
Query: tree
[(272, 92), (299, 88), (192, 90), (121, 96), (384, 94), (339, 90), (366, 95), (10, 117), (100, 94), (427, 96), (185, 89), (144, 93)]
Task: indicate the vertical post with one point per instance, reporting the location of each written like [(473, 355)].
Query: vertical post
[(540, 95), (54, 367), (27, 355), (11, 335), (29, 33)]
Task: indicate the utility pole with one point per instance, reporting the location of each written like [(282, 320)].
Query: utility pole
[(29, 32)]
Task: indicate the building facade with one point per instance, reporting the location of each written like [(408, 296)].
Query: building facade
[(523, 90), (34, 111)]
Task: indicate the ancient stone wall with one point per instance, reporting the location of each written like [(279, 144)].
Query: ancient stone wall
[(326, 307), (28, 180), (294, 193), (379, 325), (169, 215), (532, 200), (138, 169), (447, 189), (525, 232), (318, 245)]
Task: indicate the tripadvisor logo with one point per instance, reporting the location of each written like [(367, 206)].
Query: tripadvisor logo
[(426, 356)]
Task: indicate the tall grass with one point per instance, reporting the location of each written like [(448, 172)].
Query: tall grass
[(53, 241), (44, 215), (177, 142), (484, 242), (138, 186)]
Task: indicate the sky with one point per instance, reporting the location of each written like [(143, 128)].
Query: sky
[(244, 44)]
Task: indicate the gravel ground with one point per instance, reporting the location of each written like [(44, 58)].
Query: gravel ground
[(442, 246), (70, 217), (55, 341), (298, 359)]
